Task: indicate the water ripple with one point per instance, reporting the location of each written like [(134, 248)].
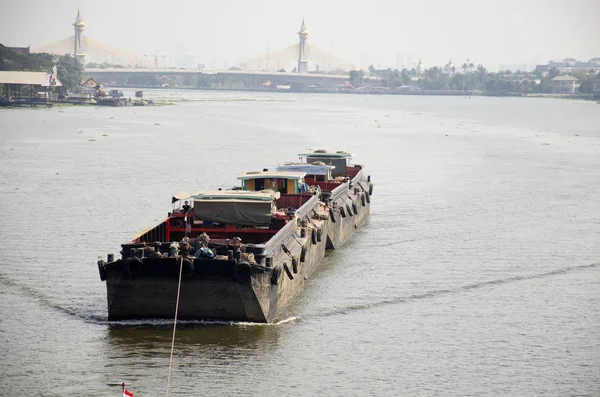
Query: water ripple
[(436, 293)]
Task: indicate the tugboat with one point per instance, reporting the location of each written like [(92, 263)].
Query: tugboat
[(244, 253)]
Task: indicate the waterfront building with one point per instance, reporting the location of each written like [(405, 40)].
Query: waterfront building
[(564, 85), (24, 88)]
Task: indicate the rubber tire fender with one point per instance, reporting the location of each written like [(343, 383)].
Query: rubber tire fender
[(343, 212), (288, 271), (303, 254), (370, 189), (295, 264), (363, 200), (134, 266), (354, 209), (275, 275), (368, 197), (349, 209), (331, 214), (313, 236), (188, 270), (319, 234), (242, 271)]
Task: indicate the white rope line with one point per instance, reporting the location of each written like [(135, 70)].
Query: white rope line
[(174, 325)]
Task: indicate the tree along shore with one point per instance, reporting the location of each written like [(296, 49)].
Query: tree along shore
[(476, 79), (433, 81), (69, 69)]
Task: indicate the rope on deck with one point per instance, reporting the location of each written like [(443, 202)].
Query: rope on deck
[(174, 325)]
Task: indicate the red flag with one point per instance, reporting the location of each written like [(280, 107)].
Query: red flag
[(127, 393)]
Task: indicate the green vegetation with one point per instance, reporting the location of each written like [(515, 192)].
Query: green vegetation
[(477, 79), (356, 77), (69, 69), (10, 60)]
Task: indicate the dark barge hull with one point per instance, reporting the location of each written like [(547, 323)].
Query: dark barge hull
[(214, 289)]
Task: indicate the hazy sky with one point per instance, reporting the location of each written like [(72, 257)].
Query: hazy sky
[(488, 32)]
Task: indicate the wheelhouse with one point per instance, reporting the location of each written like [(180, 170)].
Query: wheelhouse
[(290, 184), (317, 174), (340, 160), (284, 182)]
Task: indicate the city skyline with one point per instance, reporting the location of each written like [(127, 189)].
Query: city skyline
[(520, 34)]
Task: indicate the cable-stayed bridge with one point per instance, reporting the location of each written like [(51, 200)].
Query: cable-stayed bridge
[(299, 63)]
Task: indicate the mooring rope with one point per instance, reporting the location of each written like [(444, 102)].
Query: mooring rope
[(174, 325)]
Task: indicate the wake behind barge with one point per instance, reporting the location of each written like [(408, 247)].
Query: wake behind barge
[(244, 254)]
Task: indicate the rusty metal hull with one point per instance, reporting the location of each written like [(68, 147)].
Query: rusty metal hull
[(212, 290)]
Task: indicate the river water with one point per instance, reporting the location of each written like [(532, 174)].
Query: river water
[(477, 274)]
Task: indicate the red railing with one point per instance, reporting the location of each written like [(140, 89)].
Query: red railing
[(293, 200)]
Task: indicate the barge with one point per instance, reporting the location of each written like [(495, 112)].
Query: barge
[(240, 254)]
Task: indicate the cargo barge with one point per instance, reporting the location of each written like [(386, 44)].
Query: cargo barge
[(240, 254)]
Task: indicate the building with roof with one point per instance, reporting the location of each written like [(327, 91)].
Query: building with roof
[(569, 65), (90, 83), (564, 85), (91, 51), (22, 88)]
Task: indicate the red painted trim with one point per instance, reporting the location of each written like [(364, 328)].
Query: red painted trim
[(224, 230)]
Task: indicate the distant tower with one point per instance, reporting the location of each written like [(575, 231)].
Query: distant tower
[(79, 50), (449, 68), (302, 61), (420, 68)]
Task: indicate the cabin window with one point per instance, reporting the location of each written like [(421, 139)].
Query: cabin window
[(259, 184), (250, 184), (278, 185), (291, 186), (320, 178), (281, 185)]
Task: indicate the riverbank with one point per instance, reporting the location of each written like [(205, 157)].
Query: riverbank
[(379, 91), (371, 90), (66, 103), (585, 97)]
